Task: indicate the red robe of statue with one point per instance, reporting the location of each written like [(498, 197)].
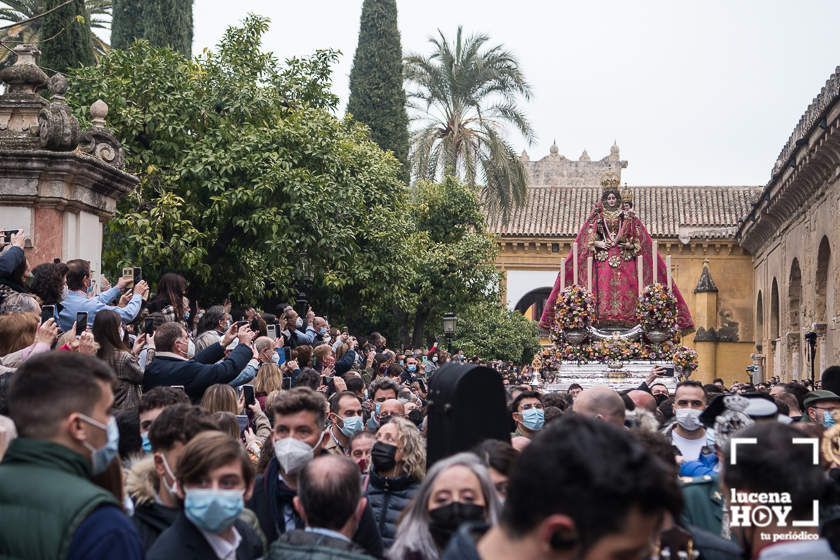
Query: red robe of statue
[(614, 239)]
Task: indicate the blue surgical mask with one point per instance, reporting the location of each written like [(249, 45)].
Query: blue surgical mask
[(323, 331), (378, 408), (100, 458), (533, 419), (213, 510), (411, 368), (828, 420), (352, 426), (147, 444)]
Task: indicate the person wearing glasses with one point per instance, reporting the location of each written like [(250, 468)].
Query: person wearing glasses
[(528, 414)]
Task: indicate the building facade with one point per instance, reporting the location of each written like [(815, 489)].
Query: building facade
[(793, 233), (695, 225)]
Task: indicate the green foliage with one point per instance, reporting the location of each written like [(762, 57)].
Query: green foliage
[(465, 94), (489, 330), (249, 184), (377, 97), (65, 37), (127, 23), (453, 255), (169, 23)]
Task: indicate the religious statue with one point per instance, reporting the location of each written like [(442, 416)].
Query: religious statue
[(611, 246)]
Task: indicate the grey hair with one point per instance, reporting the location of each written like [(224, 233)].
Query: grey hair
[(20, 303), (413, 536)]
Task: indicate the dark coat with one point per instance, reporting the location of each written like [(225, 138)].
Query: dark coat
[(388, 497), (271, 496), (152, 519), (183, 541), (200, 372)]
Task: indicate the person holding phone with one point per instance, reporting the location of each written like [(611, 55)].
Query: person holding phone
[(108, 333), (78, 282), (13, 268)]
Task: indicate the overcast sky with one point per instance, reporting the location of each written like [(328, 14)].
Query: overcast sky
[(700, 92)]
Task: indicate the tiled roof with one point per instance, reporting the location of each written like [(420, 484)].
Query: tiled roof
[(707, 212)]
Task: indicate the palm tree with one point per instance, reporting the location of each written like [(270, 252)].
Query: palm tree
[(465, 95), (19, 11)]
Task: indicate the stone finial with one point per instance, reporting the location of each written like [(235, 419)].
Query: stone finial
[(524, 156), (57, 85), (58, 128), (614, 151), (705, 284), (98, 112), (554, 150), (24, 77), (100, 142), (584, 156)]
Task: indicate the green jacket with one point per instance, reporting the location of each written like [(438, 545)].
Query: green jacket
[(306, 545), (45, 495), (703, 503)]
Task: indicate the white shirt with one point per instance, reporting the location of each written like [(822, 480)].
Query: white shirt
[(223, 548), (689, 448)]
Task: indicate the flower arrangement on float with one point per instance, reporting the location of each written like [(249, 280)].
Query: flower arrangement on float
[(575, 309), (656, 312), (685, 360)]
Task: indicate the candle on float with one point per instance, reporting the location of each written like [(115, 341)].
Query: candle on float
[(574, 264), (589, 273), (562, 274), (640, 273), (668, 271), (654, 258)]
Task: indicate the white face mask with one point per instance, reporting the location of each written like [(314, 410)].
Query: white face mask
[(293, 454), (689, 418), (122, 333), (190, 349), (299, 322), (64, 291)]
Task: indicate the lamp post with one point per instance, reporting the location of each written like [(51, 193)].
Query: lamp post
[(449, 323)]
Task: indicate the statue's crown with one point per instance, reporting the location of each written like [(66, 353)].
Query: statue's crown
[(610, 180)]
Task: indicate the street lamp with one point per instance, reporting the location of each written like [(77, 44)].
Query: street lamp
[(449, 322)]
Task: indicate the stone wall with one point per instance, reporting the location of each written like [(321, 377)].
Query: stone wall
[(556, 169)]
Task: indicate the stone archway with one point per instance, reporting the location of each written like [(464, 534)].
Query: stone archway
[(821, 282), (534, 299), (774, 311), (794, 295), (759, 318), (794, 303)]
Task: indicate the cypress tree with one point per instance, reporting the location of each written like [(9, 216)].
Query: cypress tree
[(377, 97), (169, 23), (126, 22), (65, 37)]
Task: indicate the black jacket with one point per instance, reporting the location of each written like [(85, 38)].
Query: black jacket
[(200, 372), (152, 519), (388, 497), (271, 496), (183, 541)]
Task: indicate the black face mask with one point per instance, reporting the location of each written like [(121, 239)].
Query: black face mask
[(383, 456), (445, 520), (660, 398)]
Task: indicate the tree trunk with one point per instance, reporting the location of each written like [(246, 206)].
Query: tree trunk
[(419, 332)]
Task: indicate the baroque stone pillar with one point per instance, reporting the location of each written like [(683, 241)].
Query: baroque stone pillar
[(57, 183)]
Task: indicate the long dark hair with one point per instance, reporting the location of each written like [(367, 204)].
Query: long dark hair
[(106, 332), (171, 290), (48, 282)]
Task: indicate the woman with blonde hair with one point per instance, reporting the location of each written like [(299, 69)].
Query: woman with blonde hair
[(222, 398), (269, 378), (456, 490), (398, 465)]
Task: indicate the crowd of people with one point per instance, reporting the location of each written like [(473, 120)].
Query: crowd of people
[(135, 425)]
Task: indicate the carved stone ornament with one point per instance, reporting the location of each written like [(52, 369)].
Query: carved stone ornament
[(705, 284), (24, 77), (58, 128), (98, 141)]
